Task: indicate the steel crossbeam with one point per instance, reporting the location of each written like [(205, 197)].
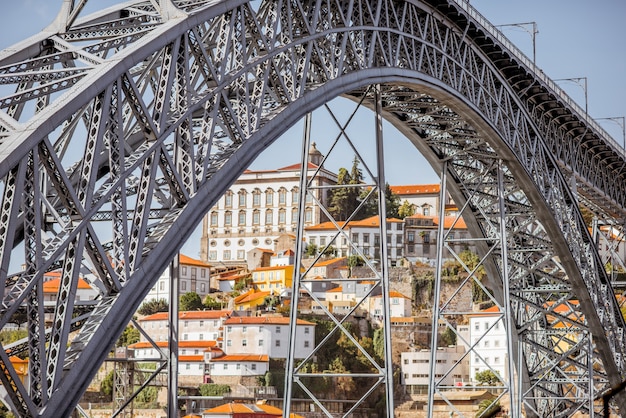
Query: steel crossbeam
[(148, 112)]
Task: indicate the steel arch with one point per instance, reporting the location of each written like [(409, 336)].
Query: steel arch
[(158, 107)]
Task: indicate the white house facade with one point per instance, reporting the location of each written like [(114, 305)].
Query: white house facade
[(267, 336), (259, 207)]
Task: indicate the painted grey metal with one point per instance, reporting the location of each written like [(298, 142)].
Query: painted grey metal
[(157, 107)]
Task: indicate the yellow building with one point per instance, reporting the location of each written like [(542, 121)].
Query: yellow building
[(274, 279), (250, 300)]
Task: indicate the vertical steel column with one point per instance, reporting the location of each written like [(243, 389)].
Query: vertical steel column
[(508, 317), (172, 366), (437, 291), (295, 286), (384, 268)]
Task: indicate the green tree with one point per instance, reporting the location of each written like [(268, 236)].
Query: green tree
[(405, 210), (310, 250), (128, 337), (488, 377), (190, 302), (153, 306), (343, 201), (106, 386), (448, 337), (213, 389), (211, 304), (379, 343), (392, 202)]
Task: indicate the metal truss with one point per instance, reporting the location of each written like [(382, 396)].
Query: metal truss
[(118, 131), (374, 379)]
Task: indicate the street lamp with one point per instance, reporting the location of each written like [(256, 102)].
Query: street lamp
[(581, 82), (531, 29), (621, 121)]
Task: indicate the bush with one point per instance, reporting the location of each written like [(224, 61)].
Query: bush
[(213, 389)]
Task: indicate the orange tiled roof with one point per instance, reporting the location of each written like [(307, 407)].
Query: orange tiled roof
[(181, 344), (183, 259), (336, 289), (242, 357), (372, 221), (393, 294), (272, 268), (263, 320), (195, 358), (160, 316), (325, 263), (53, 285), (241, 408), (415, 189), (250, 296)]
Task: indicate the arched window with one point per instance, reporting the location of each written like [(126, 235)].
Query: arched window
[(268, 217), (228, 218), (269, 197), (256, 217), (242, 218), (242, 198), (256, 198), (295, 195), (282, 217), (213, 219), (228, 199), (308, 215), (294, 215), (282, 196)]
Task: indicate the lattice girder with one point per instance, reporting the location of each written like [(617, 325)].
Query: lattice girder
[(135, 113)]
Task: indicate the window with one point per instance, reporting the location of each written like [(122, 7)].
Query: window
[(282, 217), (294, 215), (229, 343), (187, 366), (256, 217), (185, 337), (295, 195), (260, 343), (308, 215), (253, 366), (282, 197), (244, 329), (256, 198), (268, 217), (306, 344), (226, 254), (241, 255), (366, 238), (201, 337), (242, 199), (277, 343), (277, 330), (228, 218), (228, 199), (244, 343), (225, 366), (203, 286), (242, 217), (212, 255), (307, 330), (410, 236), (213, 218), (269, 197), (183, 285)]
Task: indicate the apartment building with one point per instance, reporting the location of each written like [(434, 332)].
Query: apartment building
[(194, 276)]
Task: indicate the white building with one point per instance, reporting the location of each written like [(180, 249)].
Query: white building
[(488, 336), (364, 234), (423, 197), (194, 277), (192, 325), (259, 207), (399, 306), (238, 365), (450, 369), (267, 335)]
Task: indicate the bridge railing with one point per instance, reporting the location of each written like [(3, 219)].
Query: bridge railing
[(538, 73)]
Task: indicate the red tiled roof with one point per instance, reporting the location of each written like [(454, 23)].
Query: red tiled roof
[(324, 263), (372, 221), (250, 296), (272, 268), (191, 358), (393, 294)]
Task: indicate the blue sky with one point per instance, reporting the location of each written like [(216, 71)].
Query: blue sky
[(576, 38)]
